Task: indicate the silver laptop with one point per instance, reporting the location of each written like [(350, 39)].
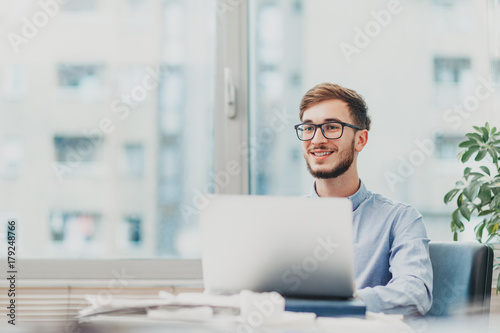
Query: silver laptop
[(296, 246)]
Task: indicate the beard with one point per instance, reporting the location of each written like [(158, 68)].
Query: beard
[(345, 161)]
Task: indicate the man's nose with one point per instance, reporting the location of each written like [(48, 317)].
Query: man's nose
[(318, 137)]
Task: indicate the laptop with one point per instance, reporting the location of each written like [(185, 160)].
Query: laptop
[(297, 246)]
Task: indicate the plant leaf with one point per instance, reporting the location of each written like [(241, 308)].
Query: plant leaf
[(468, 154), (467, 171), (464, 210), (492, 236), (486, 170), (485, 194), (486, 134), (494, 155), (460, 199), (485, 212), (495, 202), (450, 195), (472, 191), (466, 144), (482, 153), (456, 221), (498, 284), (476, 175), (475, 136), (479, 231)]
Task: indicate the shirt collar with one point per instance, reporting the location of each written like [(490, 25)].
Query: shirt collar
[(356, 199)]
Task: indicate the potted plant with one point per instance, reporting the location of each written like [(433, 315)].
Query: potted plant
[(478, 192)]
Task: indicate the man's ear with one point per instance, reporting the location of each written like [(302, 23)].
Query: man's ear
[(361, 140)]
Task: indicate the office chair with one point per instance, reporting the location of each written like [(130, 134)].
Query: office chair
[(462, 278)]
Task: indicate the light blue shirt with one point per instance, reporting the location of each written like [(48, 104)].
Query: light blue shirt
[(392, 269)]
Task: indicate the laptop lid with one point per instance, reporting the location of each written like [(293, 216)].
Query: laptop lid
[(296, 246)]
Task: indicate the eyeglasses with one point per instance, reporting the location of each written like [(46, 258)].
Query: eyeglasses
[(331, 130)]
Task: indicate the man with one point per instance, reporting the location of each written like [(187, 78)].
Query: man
[(393, 273)]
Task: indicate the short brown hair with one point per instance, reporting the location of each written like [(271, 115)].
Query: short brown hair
[(327, 91)]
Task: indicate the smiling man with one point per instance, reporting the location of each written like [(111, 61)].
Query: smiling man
[(393, 272)]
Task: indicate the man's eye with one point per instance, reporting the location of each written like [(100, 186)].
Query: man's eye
[(308, 128), (331, 127)]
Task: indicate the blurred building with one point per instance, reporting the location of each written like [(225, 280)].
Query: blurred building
[(97, 112)]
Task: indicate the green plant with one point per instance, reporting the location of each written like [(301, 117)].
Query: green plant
[(478, 192)]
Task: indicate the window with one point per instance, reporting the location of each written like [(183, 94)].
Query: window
[(78, 76), (131, 233), (84, 82), (75, 232), (137, 15), (161, 100), (118, 129), (453, 78), (79, 5), (453, 16), (495, 70), (451, 70), (11, 157), (81, 149), (14, 83), (447, 147), (133, 160)]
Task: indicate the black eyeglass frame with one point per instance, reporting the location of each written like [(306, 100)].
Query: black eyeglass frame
[(323, 131)]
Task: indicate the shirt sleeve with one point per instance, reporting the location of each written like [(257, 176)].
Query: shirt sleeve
[(409, 291)]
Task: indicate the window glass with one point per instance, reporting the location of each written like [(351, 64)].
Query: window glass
[(14, 83), (132, 163), (495, 69), (106, 125), (419, 66), (11, 157), (73, 232), (79, 5)]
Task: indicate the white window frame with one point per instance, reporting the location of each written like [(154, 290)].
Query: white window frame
[(231, 135)]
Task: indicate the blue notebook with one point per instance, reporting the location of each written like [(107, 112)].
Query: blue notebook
[(327, 308)]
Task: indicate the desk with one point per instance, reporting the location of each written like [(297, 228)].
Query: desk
[(455, 325), (136, 324)]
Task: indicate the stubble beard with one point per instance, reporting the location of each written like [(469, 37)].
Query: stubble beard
[(346, 160)]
